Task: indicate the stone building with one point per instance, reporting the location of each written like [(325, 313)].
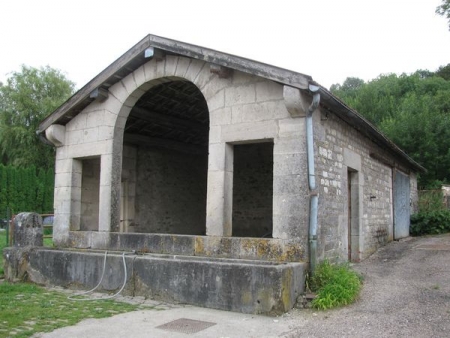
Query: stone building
[(242, 171)]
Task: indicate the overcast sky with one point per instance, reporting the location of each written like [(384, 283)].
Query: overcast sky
[(327, 39)]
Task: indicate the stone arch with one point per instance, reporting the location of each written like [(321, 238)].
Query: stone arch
[(127, 92)]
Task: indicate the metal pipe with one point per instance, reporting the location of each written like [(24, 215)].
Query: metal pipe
[(313, 193)]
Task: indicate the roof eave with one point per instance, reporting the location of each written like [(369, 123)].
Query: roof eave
[(134, 58), (277, 74)]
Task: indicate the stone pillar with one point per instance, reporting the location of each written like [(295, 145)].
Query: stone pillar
[(220, 190), (28, 230), (290, 182)]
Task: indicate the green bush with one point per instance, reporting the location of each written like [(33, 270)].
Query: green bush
[(335, 285), (432, 222), (431, 200), (25, 189)]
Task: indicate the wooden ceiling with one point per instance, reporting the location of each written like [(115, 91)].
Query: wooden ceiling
[(170, 115)]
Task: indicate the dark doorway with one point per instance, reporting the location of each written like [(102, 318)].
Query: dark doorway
[(252, 190), (353, 227), (169, 129), (90, 194)]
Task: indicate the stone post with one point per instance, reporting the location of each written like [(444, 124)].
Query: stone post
[(28, 230)]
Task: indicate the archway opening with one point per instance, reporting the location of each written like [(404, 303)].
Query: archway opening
[(165, 161)]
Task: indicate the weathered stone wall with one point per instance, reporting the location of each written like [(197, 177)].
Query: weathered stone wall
[(243, 109), (171, 192), (414, 193), (377, 224), (248, 110), (90, 187), (128, 189), (225, 284), (253, 190), (340, 148), (28, 230)]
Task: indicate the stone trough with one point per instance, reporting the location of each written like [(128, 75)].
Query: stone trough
[(249, 275), (248, 286)]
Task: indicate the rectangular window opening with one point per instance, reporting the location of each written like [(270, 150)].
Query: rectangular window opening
[(253, 190), (90, 192)]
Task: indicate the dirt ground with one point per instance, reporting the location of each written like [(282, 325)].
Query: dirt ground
[(406, 293)]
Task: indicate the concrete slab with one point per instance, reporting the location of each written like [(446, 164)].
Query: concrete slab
[(145, 324)]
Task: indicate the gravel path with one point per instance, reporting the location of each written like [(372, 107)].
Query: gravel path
[(406, 294)]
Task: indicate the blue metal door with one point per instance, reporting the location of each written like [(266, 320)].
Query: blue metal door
[(401, 205)]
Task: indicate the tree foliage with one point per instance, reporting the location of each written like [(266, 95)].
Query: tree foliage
[(26, 189), (26, 99), (444, 10), (444, 72), (413, 111)]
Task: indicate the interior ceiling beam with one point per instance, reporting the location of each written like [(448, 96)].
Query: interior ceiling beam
[(165, 144), (167, 120)]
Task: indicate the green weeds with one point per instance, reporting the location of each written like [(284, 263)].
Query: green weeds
[(335, 285)]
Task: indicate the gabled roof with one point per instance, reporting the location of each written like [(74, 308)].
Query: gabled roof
[(135, 57)]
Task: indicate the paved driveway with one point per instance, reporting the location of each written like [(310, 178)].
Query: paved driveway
[(406, 294)]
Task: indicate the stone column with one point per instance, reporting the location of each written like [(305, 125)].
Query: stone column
[(220, 190), (290, 182), (104, 221)]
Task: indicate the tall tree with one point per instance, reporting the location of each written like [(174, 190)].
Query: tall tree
[(414, 111), (444, 72), (28, 97), (444, 10)]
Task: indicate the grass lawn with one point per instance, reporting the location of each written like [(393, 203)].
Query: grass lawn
[(26, 309)]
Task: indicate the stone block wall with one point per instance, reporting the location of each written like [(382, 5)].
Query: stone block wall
[(128, 189), (90, 185), (340, 148), (253, 110), (414, 193), (243, 109), (171, 192), (377, 224)]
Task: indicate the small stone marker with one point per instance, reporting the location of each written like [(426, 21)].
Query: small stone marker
[(28, 230)]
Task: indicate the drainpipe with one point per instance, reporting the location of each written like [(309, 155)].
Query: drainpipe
[(313, 193)]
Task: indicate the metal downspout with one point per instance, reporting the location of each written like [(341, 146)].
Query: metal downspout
[(313, 193)]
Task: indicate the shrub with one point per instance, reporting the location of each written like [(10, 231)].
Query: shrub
[(432, 222), (335, 285), (431, 200)]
